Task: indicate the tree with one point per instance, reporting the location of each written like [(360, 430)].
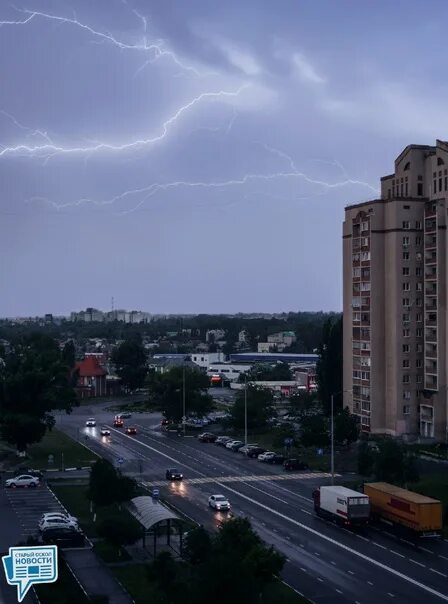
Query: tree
[(118, 531), (346, 428), (34, 380), (164, 572), (198, 546), (166, 391), (259, 408), (107, 486), (278, 372), (314, 431), (366, 459), (302, 404), (69, 354), (393, 463), (329, 366), (130, 363)]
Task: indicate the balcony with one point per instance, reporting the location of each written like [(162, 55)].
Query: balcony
[(430, 225), (430, 242), (431, 258), (431, 335), (431, 351), (431, 305), (431, 274), (431, 291)]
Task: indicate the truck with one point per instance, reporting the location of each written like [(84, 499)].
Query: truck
[(342, 505), (412, 513)]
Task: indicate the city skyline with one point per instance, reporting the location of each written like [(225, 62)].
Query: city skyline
[(192, 159)]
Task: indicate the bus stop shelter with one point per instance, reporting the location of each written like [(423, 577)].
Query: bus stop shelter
[(156, 520)]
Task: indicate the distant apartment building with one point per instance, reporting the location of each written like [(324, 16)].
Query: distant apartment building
[(213, 335), (205, 359), (286, 338), (395, 296), (124, 316)]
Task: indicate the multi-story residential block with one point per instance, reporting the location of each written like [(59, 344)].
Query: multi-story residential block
[(395, 295)]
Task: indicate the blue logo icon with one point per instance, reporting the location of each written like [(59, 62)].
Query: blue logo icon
[(26, 566)]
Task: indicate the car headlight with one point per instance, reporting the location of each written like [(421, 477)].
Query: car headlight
[(181, 475)]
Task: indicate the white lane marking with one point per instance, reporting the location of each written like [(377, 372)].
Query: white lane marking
[(350, 572), (370, 582), (416, 562), (397, 553), (303, 569), (363, 538), (425, 550), (444, 557), (293, 589), (305, 511), (320, 579), (438, 572), (391, 595), (379, 545), (313, 531), (338, 590), (333, 562)]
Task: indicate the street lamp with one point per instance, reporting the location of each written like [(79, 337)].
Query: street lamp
[(245, 409), (184, 417), (332, 431)]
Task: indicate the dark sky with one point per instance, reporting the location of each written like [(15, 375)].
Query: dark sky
[(195, 155)]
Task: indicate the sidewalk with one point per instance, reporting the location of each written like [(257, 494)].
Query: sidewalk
[(94, 577)]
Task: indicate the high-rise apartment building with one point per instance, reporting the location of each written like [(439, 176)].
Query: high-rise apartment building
[(395, 299)]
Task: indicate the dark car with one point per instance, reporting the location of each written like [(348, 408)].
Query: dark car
[(174, 474), (63, 537), (290, 465), (207, 437), (118, 422), (125, 415), (255, 452), (131, 430), (276, 459)]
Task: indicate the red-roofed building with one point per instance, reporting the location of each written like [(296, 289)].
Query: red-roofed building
[(91, 377)]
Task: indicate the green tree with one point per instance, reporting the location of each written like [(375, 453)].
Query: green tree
[(346, 428), (165, 573), (329, 365), (278, 372), (314, 431), (34, 380), (118, 531), (302, 404), (130, 363), (366, 459), (198, 546), (260, 408), (69, 354), (393, 463), (166, 391), (107, 486)]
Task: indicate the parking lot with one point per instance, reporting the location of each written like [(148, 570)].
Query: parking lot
[(30, 504)]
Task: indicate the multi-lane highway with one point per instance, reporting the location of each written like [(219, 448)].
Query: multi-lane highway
[(326, 563)]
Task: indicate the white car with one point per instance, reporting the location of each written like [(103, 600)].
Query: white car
[(266, 456), (219, 502), (105, 431), (230, 444), (91, 422), (57, 520), (24, 480)]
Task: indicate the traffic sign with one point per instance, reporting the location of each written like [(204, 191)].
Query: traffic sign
[(184, 419), (120, 460)]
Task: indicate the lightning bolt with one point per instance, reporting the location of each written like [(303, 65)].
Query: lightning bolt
[(52, 149), (31, 132), (157, 50)]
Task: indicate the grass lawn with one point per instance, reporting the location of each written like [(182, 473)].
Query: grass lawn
[(108, 553), (135, 580), (56, 443), (436, 486), (75, 500), (64, 591), (279, 593)]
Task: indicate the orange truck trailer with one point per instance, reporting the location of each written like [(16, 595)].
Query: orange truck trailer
[(405, 509)]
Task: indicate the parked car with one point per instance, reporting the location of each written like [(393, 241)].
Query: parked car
[(91, 422), (56, 522), (254, 452), (71, 520), (174, 474), (222, 441), (164, 422), (231, 444), (105, 431), (236, 445), (219, 502), (63, 537), (290, 465), (207, 437), (246, 448), (131, 430), (276, 459), (266, 455), (125, 415), (24, 480)]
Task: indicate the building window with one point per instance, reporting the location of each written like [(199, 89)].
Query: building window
[(405, 271), (440, 184), (405, 348), (406, 409), (407, 395), (356, 272), (406, 240), (420, 189), (406, 302), (418, 363), (406, 363), (419, 348), (406, 334), (418, 240), (406, 224), (419, 286), (419, 317), (434, 187), (406, 317), (419, 332), (419, 302), (419, 379), (446, 183), (406, 286), (418, 271), (405, 255), (365, 256), (418, 224), (406, 379)]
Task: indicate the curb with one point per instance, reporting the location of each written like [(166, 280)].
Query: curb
[(68, 469)]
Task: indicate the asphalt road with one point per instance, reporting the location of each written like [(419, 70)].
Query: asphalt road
[(326, 563)]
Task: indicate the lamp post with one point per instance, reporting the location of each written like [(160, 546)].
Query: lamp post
[(184, 417), (332, 438), (245, 409)]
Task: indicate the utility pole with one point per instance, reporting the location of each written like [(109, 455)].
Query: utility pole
[(245, 409), (184, 417)]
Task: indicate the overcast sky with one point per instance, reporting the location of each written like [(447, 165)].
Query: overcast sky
[(196, 155)]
